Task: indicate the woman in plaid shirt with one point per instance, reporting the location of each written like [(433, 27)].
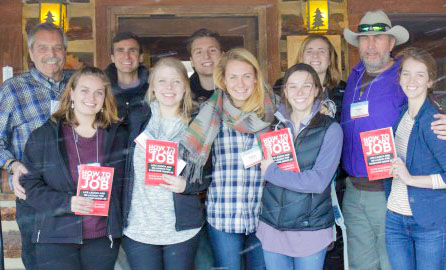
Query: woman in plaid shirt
[(227, 126)]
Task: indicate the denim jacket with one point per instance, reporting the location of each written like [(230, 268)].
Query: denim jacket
[(426, 155)]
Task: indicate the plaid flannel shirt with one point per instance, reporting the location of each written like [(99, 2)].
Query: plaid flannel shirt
[(25, 105), (234, 196)]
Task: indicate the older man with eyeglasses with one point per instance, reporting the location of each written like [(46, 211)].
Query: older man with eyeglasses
[(372, 100)]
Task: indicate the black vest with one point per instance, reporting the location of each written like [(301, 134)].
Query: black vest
[(288, 210)]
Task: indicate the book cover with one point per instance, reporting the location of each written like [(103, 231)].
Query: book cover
[(378, 147), (280, 145), (96, 183), (161, 158)]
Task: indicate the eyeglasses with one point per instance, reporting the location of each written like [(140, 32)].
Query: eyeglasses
[(377, 27)]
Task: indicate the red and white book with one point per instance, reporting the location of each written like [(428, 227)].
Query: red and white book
[(161, 158), (281, 146), (95, 182), (379, 151)]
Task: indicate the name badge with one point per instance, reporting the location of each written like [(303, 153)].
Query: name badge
[(180, 166), (95, 164), (359, 109), (251, 157), (54, 106)]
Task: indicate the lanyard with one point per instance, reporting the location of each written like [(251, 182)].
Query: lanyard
[(76, 139), (370, 87)]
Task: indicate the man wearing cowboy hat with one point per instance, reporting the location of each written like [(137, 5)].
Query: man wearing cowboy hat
[(372, 100)]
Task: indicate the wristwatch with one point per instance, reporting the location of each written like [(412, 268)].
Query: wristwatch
[(9, 167)]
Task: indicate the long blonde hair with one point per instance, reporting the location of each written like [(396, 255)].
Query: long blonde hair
[(187, 106), (255, 101), (333, 75), (109, 111)]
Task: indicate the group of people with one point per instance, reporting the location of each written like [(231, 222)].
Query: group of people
[(255, 216)]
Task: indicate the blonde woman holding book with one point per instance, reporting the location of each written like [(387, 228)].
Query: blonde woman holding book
[(161, 225)]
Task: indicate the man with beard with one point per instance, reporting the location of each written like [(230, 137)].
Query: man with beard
[(129, 78), (372, 100), (27, 102)]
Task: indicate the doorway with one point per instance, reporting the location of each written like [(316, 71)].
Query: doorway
[(164, 30), (426, 31)]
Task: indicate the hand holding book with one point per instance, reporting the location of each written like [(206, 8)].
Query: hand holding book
[(94, 189), (264, 164), (175, 184), (81, 205), (399, 171), (280, 148)]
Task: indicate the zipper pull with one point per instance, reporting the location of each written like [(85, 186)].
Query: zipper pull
[(111, 240), (38, 236)]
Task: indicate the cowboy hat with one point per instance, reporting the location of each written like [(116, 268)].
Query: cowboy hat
[(367, 28)]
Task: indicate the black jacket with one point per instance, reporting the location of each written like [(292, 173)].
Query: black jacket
[(288, 210), (49, 185), (189, 210), (131, 99), (337, 94), (199, 94)]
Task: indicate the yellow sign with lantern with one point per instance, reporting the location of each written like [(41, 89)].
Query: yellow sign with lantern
[(316, 20), (55, 13)]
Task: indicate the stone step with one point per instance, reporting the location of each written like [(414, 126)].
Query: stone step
[(10, 226), (12, 244), (11, 235), (7, 203), (14, 264), (8, 213)]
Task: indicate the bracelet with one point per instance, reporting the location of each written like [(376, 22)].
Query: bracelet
[(9, 167)]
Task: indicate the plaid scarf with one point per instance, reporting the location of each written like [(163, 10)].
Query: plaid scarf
[(198, 138)]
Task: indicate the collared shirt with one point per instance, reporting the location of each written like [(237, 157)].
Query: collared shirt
[(234, 196), (25, 105)]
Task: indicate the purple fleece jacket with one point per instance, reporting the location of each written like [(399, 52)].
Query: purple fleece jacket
[(385, 98)]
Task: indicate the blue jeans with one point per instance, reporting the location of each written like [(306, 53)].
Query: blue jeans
[(161, 257), (365, 216), (277, 261), (411, 246), (229, 248), (204, 260), (25, 216)]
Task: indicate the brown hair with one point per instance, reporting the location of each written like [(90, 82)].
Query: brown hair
[(255, 101), (333, 76), (201, 33), (422, 56), (305, 68), (109, 111), (187, 106), (126, 36)]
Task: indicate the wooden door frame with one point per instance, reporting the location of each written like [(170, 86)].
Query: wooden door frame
[(259, 11)]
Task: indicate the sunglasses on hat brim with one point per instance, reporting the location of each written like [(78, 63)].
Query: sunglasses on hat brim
[(376, 27)]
